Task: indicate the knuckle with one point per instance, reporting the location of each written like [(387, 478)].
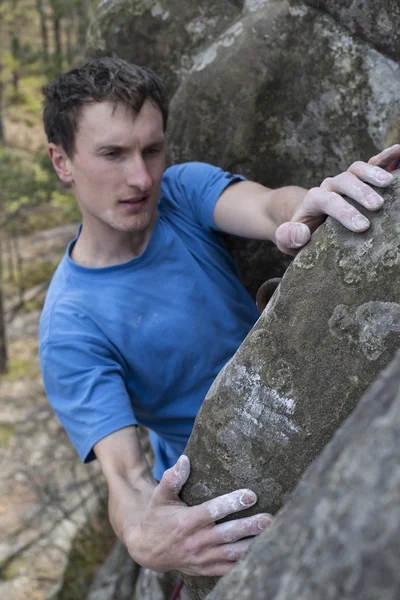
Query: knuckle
[(355, 165), (327, 182), (331, 198), (345, 214), (377, 171), (338, 179), (230, 553), (313, 193), (169, 477), (367, 191)]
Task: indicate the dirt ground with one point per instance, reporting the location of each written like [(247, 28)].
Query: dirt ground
[(46, 495)]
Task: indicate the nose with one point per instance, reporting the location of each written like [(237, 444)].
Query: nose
[(137, 175)]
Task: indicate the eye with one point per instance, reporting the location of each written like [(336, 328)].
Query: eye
[(112, 154), (150, 151)]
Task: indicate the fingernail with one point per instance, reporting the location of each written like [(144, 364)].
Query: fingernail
[(384, 176), (375, 202), (181, 464), (300, 234), (248, 499), (360, 223), (264, 521)]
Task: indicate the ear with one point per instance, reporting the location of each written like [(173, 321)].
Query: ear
[(61, 163)]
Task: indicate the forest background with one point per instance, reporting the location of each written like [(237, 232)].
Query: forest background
[(38, 40), (52, 510)]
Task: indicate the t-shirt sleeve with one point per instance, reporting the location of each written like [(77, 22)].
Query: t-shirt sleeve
[(85, 385), (195, 187)]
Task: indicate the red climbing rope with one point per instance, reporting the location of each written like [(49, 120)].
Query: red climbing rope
[(394, 164), (177, 590)]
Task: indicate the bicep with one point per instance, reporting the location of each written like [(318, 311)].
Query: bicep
[(243, 210)]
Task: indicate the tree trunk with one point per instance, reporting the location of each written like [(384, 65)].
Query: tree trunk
[(44, 31), (2, 134), (83, 13), (330, 328), (18, 260), (68, 34), (57, 38), (338, 536), (3, 340)]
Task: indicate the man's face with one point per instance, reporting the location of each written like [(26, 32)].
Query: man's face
[(117, 167)]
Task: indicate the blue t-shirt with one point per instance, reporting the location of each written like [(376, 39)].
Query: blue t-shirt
[(141, 342)]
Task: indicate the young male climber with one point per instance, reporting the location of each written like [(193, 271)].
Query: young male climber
[(146, 306)]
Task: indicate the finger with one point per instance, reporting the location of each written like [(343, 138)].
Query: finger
[(353, 187), (232, 531), (317, 201), (230, 552), (292, 236), (218, 508), (172, 481), (371, 174), (384, 158), (211, 570)]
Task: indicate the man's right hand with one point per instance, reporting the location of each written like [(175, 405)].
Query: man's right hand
[(173, 536)]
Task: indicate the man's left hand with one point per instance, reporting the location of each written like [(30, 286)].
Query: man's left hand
[(327, 199)]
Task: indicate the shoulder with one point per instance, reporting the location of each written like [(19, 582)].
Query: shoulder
[(190, 174), (195, 187), (64, 313)]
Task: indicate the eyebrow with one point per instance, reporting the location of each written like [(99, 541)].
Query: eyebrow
[(102, 147)]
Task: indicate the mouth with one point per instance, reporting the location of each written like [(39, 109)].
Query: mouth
[(134, 200), (135, 203)]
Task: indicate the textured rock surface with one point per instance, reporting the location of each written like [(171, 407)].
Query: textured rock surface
[(338, 537), (280, 115), (121, 578), (331, 327), (377, 21), (256, 115), (276, 90), (160, 34)]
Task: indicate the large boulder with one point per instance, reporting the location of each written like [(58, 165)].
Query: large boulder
[(286, 96), (376, 21), (274, 89), (161, 34), (338, 537), (331, 327)]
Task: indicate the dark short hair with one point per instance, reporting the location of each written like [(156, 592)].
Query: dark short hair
[(101, 80)]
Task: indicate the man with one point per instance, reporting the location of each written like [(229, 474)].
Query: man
[(146, 306)]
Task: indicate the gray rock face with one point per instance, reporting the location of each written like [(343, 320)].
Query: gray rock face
[(161, 35), (331, 327), (338, 537), (377, 21), (274, 89), (287, 95)]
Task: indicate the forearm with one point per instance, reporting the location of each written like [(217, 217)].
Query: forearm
[(129, 495), (251, 210), (129, 479), (283, 203)]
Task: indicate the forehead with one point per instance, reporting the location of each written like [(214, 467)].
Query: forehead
[(104, 123)]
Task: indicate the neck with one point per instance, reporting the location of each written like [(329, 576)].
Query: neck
[(95, 249)]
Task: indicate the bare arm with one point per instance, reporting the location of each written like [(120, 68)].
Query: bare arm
[(129, 479), (160, 531), (288, 215)]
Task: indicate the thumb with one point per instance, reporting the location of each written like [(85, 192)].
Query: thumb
[(291, 236), (173, 480)]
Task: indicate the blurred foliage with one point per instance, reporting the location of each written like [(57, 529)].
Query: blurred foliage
[(32, 184), (38, 40)]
